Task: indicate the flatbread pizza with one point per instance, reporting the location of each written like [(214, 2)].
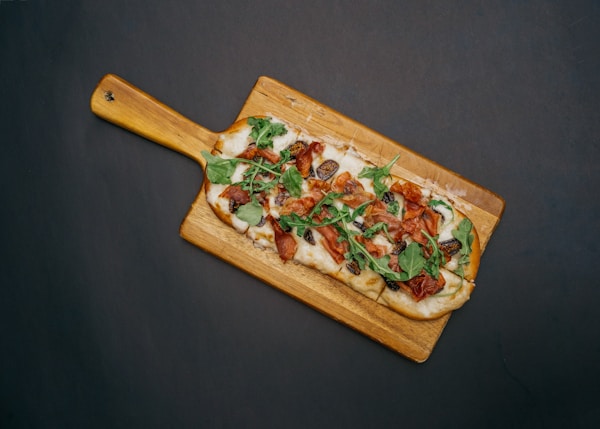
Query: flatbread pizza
[(321, 205)]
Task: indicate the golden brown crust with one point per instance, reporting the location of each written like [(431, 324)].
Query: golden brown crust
[(474, 258), (433, 307), (225, 216)]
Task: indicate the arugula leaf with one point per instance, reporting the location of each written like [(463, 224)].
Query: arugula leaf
[(293, 220), (437, 258), (292, 180), (394, 207), (219, 170), (463, 234), (263, 131), (377, 174), (379, 226), (325, 201), (411, 261), (250, 212)]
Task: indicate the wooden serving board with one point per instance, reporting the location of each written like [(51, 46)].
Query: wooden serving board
[(120, 103)]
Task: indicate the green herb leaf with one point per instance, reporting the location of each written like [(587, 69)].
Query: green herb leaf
[(379, 226), (411, 261), (292, 180), (437, 258), (219, 170), (263, 131), (378, 174), (463, 234), (250, 212), (394, 207), (325, 201)]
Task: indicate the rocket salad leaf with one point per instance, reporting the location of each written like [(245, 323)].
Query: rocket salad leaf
[(219, 170), (251, 212), (263, 131), (377, 174)]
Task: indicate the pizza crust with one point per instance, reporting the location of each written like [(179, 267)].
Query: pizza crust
[(455, 293)]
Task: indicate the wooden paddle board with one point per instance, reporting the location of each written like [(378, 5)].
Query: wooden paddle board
[(122, 104)]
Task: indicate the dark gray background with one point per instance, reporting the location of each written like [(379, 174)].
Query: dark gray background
[(109, 319)]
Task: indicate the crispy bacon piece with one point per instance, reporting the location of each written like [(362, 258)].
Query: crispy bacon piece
[(237, 197), (318, 188), (358, 198), (248, 153), (408, 190), (269, 155), (285, 242), (300, 206), (423, 218), (377, 250), (335, 248), (346, 184), (252, 151), (423, 285), (304, 158), (377, 212), (431, 219), (413, 226), (353, 190)]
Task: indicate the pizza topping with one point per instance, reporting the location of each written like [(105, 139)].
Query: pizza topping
[(327, 169), (237, 197), (408, 190), (304, 158), (423, 286), (344, 183), (252, 213), (308, 236), (282, 195), (464, 235), (263, 131), (318, 188), (450, 247), (378, 174), (398, 247), (335, 247), (443, 208), (376, 214), (296, 148), (299, 206), (353, 267), (285, 242)]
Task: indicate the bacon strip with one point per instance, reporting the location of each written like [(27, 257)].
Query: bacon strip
[(304, 158), (300, 206), (336, 249), (285, 242), (237, 194), (253, 151), (377, 212), (423, 285), (408, 190), (346, 184), (377, 250)]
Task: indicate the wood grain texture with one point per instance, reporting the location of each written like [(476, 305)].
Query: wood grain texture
[(124, 105)]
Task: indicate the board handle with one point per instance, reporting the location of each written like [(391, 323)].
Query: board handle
[(122, 104)]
